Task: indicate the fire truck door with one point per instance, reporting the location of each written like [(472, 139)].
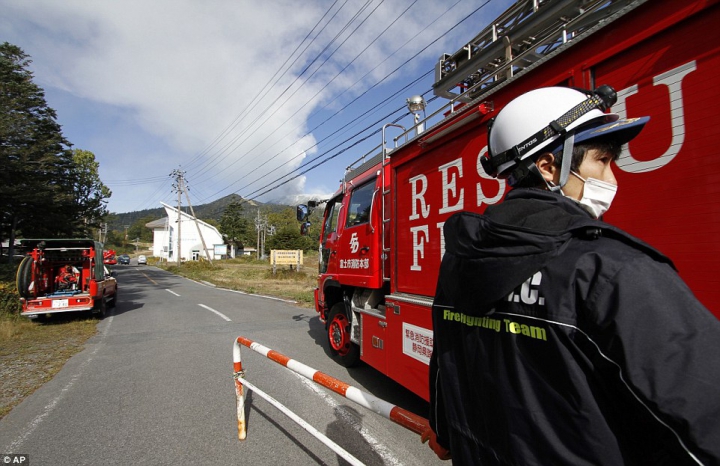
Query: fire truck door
[(328, 247), (358, 248)]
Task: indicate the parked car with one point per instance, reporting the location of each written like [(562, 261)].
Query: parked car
[(142, 260), (124, 259)]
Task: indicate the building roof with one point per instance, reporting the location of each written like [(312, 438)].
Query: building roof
[(190, 217), (159, 223)]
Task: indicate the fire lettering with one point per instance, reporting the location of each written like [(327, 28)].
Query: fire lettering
[(418, 245)]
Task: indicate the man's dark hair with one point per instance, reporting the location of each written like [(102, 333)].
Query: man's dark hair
[(532, 180)]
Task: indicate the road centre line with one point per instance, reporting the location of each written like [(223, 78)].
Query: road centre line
[(171, 291), (146, 276), (216, 312)]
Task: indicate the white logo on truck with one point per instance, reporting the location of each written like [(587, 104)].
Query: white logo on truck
[(354, 243)]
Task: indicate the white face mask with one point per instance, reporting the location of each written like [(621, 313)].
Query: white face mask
[(597, 195)]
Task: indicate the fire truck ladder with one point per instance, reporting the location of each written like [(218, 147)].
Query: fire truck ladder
[(527, 34), (385, 199)]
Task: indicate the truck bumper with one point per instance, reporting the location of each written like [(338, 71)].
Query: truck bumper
[(41, 306)]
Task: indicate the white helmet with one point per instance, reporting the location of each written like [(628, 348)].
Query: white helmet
[(551, 118)]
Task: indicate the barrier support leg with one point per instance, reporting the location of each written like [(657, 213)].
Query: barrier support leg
[(239, 392)]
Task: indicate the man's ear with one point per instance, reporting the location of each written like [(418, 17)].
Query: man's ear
[(545, 164)]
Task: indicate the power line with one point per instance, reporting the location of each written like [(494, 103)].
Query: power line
[(330, 157), (311, 99), (241, 117), (372, 87), (287, 88), (356, 82)]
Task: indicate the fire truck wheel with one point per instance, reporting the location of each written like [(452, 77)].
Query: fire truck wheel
[(100, 308), (24, 277), (338, 331)]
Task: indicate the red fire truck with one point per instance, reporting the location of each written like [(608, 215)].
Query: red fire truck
[(382, 241), (110, 257), (64, 275)]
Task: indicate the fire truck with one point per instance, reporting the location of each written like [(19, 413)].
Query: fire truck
[(110, 257), (64, 275), (381, 240)]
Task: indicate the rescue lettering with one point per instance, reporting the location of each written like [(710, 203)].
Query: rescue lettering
[(449, 186), (453, 200)]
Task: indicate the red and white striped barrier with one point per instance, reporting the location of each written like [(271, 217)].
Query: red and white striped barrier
[(392, 412)]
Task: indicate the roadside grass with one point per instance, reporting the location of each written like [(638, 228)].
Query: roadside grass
[(255, 277), (30, 353)]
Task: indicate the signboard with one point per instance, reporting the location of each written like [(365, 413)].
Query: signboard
[(417, 342), (285, 257)]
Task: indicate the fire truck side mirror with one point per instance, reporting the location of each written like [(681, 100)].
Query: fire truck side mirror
[(305, 228), (302, 212)]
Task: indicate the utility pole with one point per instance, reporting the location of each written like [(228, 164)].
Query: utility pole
[(181, 187), (260, 226), (197, 225), (177, 187)]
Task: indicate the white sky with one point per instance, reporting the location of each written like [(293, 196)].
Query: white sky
[(153, 86)]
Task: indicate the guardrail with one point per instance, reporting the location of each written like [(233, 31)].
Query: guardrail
[(398, 415)]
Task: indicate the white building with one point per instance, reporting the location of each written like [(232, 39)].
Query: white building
[(165, 234)]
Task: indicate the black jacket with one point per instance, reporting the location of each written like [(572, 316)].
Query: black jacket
[(560, 339)]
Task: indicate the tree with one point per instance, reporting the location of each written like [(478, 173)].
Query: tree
[(140, 231), (90, 194), (289, 238), (235, 227), (36, 189), (283, 219)]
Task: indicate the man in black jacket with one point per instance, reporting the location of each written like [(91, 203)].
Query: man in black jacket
[(560, 339)]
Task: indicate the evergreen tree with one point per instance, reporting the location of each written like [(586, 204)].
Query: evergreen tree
[(289, 238), (36, 188), (140, 231), (90, 195), (235, 227)]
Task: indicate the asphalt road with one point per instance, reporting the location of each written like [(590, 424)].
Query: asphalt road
[(155, 387)]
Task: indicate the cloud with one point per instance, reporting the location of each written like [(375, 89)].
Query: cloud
[(181, 82)]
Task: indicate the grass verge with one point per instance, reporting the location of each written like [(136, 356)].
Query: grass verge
[(255, 277), (30, 353)]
